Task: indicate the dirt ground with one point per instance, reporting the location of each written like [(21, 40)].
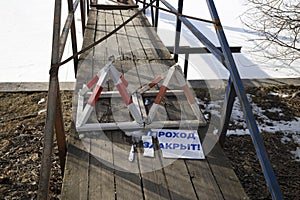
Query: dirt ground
[(22, 120)]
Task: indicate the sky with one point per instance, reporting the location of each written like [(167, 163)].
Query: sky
[(27, 38)]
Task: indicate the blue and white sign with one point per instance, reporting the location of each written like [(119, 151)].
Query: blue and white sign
[(177, 143)]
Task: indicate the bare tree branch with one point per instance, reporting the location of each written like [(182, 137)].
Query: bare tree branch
[(278, 23)]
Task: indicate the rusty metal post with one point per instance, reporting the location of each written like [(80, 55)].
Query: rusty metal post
[(51, 108), (60, 131), (73, 36)]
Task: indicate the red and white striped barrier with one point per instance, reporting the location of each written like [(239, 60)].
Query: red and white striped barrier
[(121, 84), (188, 93), (160, 95), (131, 100)]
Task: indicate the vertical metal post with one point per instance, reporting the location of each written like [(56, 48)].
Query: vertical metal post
[(186, 64), (226, 111), (178, 31), (152, 15), (88, 6), (73, 36), (51, 108), (250, 120), (144, 5), (156, 14), (60, 131), (82, 12)]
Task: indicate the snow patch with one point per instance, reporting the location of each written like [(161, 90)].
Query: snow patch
[(296, 154)]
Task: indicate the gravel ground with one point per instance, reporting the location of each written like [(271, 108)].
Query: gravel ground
[(22, 120)]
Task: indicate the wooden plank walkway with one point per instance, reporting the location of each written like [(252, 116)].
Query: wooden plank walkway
[(97, 166)]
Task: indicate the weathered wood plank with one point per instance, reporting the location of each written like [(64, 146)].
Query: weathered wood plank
[(123, 43), (111, 42), (101, 173), (152, 36), (225, 177), (178, 180), (75, 181), (153, 177), (135, 44), (127, 174), (203, 180), (89, 34)]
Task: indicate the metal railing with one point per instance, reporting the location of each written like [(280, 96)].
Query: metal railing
[(235, 86)]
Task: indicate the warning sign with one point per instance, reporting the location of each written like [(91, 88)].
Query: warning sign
[(178, 143)]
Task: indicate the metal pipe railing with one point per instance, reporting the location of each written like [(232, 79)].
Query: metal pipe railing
[(235, 88), (249, 116)]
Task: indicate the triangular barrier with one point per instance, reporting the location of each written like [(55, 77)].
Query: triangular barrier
[(132, 99)]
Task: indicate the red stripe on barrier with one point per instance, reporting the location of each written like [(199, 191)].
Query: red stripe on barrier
[(188, 94), (124, 94), (160, 95), (123, 80), (93, 82), (94, 97), (155, 81)]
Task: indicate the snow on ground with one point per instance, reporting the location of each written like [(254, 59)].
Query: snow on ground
[(250, 64), (265, 124), (26, 40)]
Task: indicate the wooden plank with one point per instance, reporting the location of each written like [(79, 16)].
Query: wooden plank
[(158, 45), (123, 43), (143, 34), (178, 179), (111, 42), (75, 181), (100, 49), (134, 42), (89, 33), (203, 180), (128, 180), (226, 179), (101, 173), (154, 182)]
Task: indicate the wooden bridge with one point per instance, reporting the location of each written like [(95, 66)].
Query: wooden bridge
[(96, 164), (97, 167)]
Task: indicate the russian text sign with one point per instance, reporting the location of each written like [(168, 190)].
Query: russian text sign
[(178, 143)]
